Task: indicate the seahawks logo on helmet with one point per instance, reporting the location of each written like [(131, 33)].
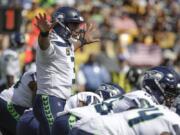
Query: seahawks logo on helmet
[(60, 17), (153, 74)]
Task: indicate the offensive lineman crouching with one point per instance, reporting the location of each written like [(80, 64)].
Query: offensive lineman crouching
[(15, 100)]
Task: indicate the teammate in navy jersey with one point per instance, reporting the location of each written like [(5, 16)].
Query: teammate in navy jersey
[(55, 61)]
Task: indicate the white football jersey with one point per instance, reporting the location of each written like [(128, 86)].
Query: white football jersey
[(55, 68), (144, 121), (30, 67), (81, 112), (134, 99), (20, 93), (9, 65), (88, 98)]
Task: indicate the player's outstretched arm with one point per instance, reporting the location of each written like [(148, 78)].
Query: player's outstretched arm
[(90, 35), (44, 26)]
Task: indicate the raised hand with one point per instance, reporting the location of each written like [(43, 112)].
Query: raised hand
[(42, 23), (92, 34), (44, 26)]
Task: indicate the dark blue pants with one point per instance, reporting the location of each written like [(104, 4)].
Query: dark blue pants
[(63, 124), (9, 116), (76, 131), (45, 110), (27, 125)]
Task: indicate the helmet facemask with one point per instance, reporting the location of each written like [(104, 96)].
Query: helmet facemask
[(69, 30), (155, 91), (170, 97), (68, 22), (161, 85), (76, 31)]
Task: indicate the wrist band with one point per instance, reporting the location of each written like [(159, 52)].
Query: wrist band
[(44, 34)]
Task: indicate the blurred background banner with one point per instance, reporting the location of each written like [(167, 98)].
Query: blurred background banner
[(11, 19)]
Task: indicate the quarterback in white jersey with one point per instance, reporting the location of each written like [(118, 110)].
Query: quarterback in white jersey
[(55, 61), (55, 81), (133, 122)]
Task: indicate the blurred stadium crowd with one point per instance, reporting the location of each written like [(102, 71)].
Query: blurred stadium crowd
[(136, 35)]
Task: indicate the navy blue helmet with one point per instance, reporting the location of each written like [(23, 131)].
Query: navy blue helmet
[(17, 40), (162, 83), (65, 15), (108, 90)]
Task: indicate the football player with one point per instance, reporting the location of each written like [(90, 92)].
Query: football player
[(163, 84), (160, 85), (136, 99), (15, 100), (156, 120), (55, 61)]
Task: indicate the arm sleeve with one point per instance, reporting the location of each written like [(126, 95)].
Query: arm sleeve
[(48, 52)]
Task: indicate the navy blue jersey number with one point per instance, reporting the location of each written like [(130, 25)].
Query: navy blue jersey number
[(144, 117)]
